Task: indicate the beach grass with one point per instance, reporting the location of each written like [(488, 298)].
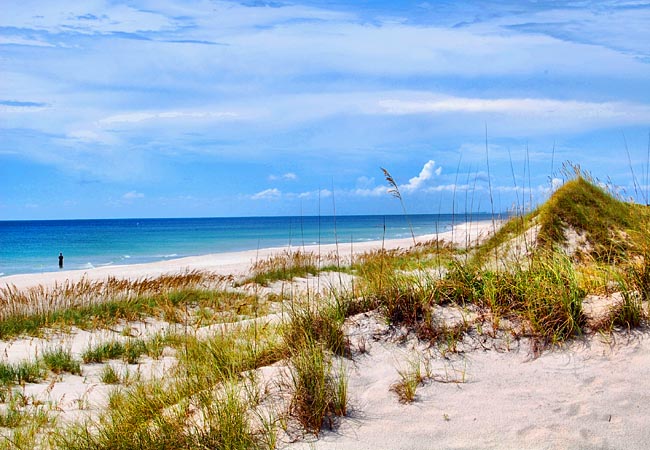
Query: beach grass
[(311, 321), (22, 372), (286, 265), (201, 403), (109, 375), (410, 378), (129, 350), (56, 360), (317, 395), (60, 360), (102, 304)]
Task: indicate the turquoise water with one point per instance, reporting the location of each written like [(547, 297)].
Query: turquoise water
[(33, 246)]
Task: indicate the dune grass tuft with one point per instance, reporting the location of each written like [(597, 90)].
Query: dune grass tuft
[(318, 394), (60, 360), (284, 266)]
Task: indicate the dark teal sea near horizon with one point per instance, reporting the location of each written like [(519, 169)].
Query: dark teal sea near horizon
[(33, 246)]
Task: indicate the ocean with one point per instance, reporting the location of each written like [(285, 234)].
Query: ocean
[(34, 246)]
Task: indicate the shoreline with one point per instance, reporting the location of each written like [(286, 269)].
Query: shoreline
[(239, 263)]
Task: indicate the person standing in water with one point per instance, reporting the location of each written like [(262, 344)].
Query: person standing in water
[(60, 260)]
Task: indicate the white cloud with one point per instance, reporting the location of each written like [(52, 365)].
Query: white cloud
[(84, 135), (310, 85), (556, 183), (564, 109), (371, 192), (289, 176), (450, 188), (322, 193), (90, 136), (18, 40), (132, 195), (351, 47), (615, 26), (8, 107), (267, 194), (88, 17), (136, 117), (365, 182), (426, 174)]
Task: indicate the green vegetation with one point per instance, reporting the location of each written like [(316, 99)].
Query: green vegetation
[(410, 379), (318, 396), (23, 372), (312, 334), (309, 323), (284, 266), (56, 361), (610, 229), (201, 404), (109, 375), (540, 286), (130, 351), (194, 297), (546, 296), (60, 360), (23, 422)]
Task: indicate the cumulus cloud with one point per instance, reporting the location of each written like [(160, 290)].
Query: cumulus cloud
[(365, 182), (267, 194), (306, 85), (427, 173)]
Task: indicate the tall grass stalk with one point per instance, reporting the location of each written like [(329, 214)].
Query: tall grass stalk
[(318, 396), (394, 191)]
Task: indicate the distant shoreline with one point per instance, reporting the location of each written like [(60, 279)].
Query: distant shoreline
[(32, 246), (238, 263)]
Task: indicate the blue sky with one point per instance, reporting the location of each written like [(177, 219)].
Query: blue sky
[(174, 108)]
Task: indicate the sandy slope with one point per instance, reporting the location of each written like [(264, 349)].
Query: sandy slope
[(590, 394)]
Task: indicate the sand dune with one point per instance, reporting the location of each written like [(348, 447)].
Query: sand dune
[(593, 393)]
